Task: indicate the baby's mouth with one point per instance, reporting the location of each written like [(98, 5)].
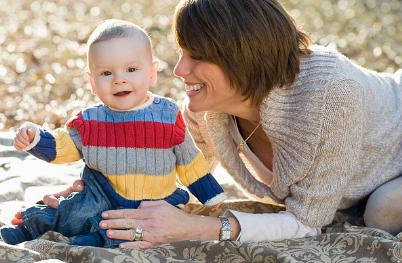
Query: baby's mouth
[(122, 93)]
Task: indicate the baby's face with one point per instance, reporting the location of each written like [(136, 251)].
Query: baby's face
[(121, 72)]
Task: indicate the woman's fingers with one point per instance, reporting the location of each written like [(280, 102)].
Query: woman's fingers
[(120, 223), (129, 234), (160, 221), (145, 204), (144, 211), (136, 244), (127, 213)]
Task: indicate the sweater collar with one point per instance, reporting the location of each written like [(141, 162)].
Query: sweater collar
[(218, 124)]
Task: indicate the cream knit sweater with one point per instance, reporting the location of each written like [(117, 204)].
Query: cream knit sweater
[(336, 135)]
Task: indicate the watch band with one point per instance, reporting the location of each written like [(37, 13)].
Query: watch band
[(226, 229)]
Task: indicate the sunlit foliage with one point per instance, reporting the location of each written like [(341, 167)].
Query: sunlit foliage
[(42, 47)]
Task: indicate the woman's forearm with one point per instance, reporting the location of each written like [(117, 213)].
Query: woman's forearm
[(208, 228)]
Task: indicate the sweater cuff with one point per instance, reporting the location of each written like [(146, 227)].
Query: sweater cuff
[(216, 200), (271, 227), (205, 189), (30, 125)]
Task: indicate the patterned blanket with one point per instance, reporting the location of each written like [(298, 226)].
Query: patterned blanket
[(341, 242), (21, 179)]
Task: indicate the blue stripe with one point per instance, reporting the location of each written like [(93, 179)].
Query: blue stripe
[(46, 147), (164, 111), (205, 188), (178, 197)]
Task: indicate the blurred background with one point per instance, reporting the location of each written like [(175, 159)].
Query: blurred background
[(42, 47)]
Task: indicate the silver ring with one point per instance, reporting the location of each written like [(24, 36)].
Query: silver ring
[(138, 233)]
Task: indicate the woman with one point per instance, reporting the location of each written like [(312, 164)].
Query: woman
[(292, 123)]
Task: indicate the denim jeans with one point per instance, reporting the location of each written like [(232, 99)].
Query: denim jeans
[(78, 216)]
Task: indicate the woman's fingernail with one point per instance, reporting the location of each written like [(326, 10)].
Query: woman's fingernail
[(110, 233), (104, 214), (103, 225), (122, 246)]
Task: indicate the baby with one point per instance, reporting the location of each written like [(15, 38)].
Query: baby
[(134, 145)]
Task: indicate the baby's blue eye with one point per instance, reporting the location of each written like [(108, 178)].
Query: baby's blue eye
[(132, 69), (106, 73)]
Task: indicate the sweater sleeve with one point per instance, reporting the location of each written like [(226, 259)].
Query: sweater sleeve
[(192, 169), (54, 146), (315, 198), (271, 227), (197, 126)]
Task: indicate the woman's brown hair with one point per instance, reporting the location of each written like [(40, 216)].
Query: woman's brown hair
[(255, 42)]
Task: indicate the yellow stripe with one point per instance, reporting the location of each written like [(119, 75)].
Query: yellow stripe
[(66, 151), (191, 172), (141, 186)]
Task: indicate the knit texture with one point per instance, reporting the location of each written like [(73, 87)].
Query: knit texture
[(335, 133), (140, 154)]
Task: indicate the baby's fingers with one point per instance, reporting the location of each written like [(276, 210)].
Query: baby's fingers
[(30, 134), (20, 143)]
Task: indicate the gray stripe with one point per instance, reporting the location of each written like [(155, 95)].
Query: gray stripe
[(75, 136), (186, 151), (120, 161)]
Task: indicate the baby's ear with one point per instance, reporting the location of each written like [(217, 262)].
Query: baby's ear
[(91, 82), (154, 72)]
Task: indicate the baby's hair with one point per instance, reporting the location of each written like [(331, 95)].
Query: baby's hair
[(115, 28)]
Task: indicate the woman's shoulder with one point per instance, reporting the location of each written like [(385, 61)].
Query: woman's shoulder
[(318, 71), (323, 64)]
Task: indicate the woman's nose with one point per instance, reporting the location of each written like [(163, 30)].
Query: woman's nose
[(182, 68)]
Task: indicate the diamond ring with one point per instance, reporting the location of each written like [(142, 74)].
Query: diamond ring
[(138, 233)]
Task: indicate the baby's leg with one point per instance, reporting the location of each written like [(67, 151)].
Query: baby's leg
[(384, 209), (14, 234), (40, 220)]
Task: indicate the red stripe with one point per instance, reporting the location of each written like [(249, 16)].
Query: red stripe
[(125, 134), (180, 129)]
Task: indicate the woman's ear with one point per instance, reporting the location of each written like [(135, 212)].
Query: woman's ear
[(91, 82), (154, 72)]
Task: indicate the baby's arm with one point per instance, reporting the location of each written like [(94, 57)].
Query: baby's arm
[(24, 137), (192, 168), (52, 146)]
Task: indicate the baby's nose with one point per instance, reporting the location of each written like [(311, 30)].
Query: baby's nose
[(119, 81)]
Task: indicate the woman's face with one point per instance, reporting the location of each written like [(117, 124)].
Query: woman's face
[(207, 86)]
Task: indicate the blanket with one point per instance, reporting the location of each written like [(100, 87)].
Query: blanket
[(23, 181)]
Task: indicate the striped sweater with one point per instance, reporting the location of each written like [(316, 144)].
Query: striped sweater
[(138, 154)]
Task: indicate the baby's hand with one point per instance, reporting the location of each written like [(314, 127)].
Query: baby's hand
[(23, 138)]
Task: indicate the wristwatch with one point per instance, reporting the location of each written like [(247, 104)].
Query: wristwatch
[(226, 229)]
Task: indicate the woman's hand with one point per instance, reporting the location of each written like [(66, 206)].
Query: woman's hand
[(161, 223), (52, 200)]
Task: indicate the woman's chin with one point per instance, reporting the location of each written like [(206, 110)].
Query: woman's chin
[(195, 107)]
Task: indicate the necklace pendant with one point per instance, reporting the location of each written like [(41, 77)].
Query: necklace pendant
[(241, 146)]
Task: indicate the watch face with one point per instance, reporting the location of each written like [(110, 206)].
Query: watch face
[(225, 235), (226, 229)]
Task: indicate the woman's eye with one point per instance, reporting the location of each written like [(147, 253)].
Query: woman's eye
[(106, 73), (132, 69), (196, 57)]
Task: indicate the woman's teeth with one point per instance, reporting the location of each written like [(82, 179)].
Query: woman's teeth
[(195, 87)]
